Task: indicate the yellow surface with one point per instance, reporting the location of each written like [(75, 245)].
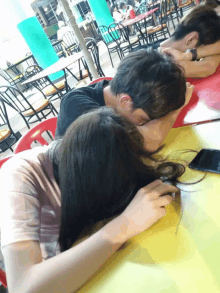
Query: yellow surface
[(181, 252)]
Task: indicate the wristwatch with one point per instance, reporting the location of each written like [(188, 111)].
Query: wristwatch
[(194, 53)]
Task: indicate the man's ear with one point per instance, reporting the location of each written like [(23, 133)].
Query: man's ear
[(126, 102), (191, 40)]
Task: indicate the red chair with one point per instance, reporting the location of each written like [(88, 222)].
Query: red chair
[(35, 134), (100, 79), (3, 161), (3, 278), (2, 273)]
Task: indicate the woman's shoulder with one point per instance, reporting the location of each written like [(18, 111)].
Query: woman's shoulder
[(30, 172), (25, 159)]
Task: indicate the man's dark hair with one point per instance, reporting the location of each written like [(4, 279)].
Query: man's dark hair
[(202, 19), (155, 83)]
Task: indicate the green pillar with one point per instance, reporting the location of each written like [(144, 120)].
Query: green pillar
[(101, 12), (39, 44)]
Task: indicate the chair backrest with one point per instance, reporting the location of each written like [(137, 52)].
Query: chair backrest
[(69, 38), (100, 79), (94, 52), (40, 83), (5, 74), (2, 161), (107, 39), (32, 60), (14, 68), (123, 33), (4, 116), (15, 99), (114, 32), (59, 47), (35, 134)]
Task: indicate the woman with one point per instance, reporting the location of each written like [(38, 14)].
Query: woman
[(92, 181), (117, 14)]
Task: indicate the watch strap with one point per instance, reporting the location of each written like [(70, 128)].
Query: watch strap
[(194, 53)]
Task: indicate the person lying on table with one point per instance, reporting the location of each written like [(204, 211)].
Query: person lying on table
[(90, 190), (198, 37), (148, 89)]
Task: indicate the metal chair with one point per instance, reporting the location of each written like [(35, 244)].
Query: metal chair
[(169, 11), (71, 42), (7, 135), (13, 81), (32, 60), (111, 45), (161, 29), (183, 6), (128, 42), (35, 134), (39, 110), (60, 48), (117, 38), (94, 52), (45, 85)]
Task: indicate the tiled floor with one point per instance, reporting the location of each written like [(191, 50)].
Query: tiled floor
[(18, 124)]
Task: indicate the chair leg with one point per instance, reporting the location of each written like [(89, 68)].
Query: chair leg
[(50, 136), (110, 58), (9, 146), (28, 126), (53, 109)]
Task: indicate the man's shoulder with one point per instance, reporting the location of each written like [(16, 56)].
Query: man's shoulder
[(87, 94)]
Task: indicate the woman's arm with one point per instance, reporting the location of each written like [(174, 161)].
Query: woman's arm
[(69, 270)]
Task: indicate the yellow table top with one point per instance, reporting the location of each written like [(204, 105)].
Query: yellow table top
[(181, 252)]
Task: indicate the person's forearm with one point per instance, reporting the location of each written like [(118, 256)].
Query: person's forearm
[(69, 270), (198, 69), (208, 50)]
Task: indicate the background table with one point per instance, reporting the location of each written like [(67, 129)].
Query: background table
[(61, 64), (164, 258), (138, 18)]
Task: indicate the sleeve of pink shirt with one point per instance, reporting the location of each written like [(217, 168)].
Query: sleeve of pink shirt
[(19, 202)]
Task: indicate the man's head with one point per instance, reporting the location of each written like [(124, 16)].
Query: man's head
[(199, 27), (149, 87)]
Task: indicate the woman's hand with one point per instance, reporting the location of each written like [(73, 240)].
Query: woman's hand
[(146, 208)]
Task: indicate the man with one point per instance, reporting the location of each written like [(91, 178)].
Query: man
[(148, 88), (197, 36)]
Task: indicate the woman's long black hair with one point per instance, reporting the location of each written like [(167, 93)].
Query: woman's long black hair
[(100, 170)]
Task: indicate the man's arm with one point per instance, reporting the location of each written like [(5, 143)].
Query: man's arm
[(206, 67), (205, 51)]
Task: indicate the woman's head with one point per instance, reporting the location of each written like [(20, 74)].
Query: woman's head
[(100, 171), (122, 5), (114, 8)]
